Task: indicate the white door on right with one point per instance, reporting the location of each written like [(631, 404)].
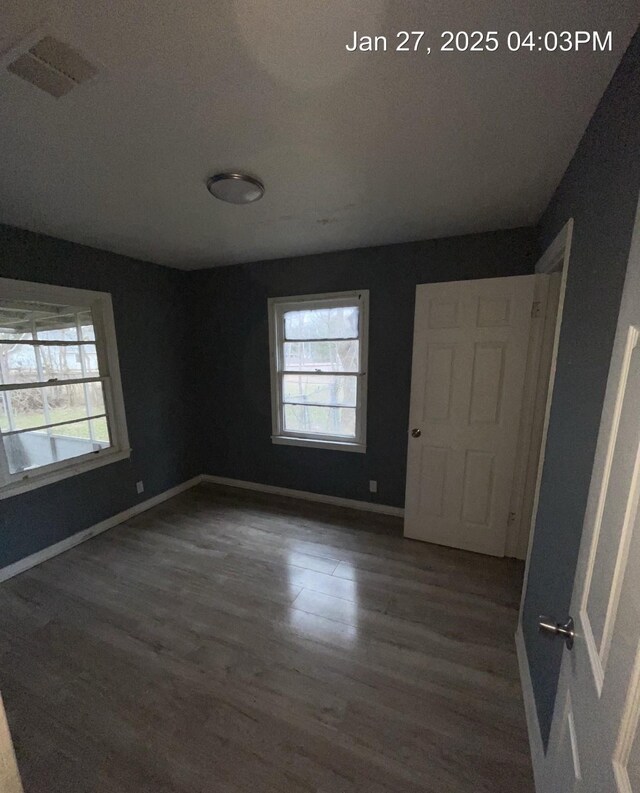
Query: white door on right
[(471, 340), (594, 745)]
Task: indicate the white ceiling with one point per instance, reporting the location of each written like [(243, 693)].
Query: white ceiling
[(354, 149)]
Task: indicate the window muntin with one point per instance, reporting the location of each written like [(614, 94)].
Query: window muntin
[(318, 377), (326, 356), (60, 403)]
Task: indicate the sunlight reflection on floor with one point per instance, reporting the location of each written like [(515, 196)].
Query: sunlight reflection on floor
[(323, 606)]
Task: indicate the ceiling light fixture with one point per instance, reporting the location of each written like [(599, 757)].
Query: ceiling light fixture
[(235, 188)]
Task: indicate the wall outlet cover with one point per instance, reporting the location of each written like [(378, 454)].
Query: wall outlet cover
[(140, 487), (373, 486)]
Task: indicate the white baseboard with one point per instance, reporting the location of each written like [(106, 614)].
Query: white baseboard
[(351, 503), (69, 542), (533, 725), (60, 547)]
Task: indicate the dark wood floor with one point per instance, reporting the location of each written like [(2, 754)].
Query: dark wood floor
[(230, 642)]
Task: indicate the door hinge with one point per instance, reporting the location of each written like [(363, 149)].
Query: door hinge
[(536, 309), (511, 519)]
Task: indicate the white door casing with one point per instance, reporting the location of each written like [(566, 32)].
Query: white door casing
[(469, 361), (595, 736)]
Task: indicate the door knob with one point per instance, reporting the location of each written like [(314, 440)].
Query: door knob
[(566, 630), (416, 433)]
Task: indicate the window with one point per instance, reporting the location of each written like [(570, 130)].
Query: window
[(61, 408), (318, 370)]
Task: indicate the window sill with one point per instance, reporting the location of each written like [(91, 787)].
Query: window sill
[(312, 443), (35, 480)]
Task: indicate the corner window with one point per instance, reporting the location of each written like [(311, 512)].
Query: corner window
[(61, 408), (319, 370)]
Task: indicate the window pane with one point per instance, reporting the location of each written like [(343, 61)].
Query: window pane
[(37, 448), (35, 407), (100, 429), (58, 328), (19, 363), (322, 356), (87, 331), (15, 323), (84, 429), (320, 420), (4, 420), (88, 355), (322, 323), (323, 389), (50, 322)]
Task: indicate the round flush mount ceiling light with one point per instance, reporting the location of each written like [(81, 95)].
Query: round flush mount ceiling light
[(235, 188)]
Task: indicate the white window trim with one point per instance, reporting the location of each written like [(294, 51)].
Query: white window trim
[(107, 350), (276, 307)]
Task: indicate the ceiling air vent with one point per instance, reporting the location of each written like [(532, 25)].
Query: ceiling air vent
[(52, 66)]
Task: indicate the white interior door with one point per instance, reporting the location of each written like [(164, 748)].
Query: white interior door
[(469, 362), (595, 741)]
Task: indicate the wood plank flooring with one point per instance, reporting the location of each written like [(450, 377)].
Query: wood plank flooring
[(229, 642)]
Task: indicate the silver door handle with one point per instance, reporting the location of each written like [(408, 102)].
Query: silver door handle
[(566, 629), (416, 433)]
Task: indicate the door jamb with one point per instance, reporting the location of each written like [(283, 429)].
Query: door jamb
[(531, 417), (554, 259)]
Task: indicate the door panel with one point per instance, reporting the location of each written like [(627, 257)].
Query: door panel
[(469, 358), (568, 771), (439, 382), (487, 384), (627, 755), (434, 476), (609, 549), (477, 487), (493, 312)]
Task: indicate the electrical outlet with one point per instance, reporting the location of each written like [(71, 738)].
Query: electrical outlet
[(140, 487), (373, 486)]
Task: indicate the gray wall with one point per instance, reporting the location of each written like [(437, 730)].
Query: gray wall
[(205, 406), (234, 361), (151, 316), (600, 191)]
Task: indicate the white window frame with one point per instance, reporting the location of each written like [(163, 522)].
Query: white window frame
[(277, 307), (107, 353)]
